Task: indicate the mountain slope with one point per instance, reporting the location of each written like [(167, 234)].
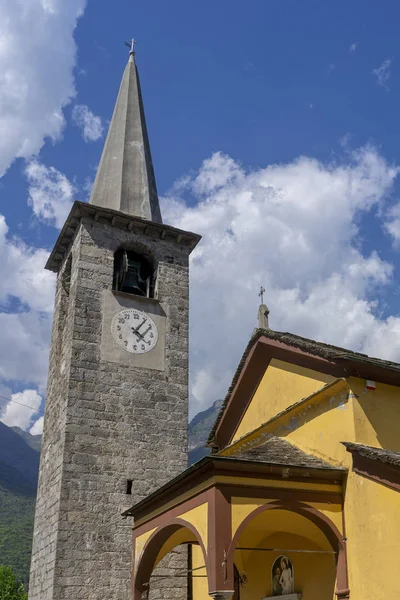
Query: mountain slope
[(19, 468), (16, 454), (34, 441), (199, 428)]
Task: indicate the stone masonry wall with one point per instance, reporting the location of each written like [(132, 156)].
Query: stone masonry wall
[(51, 458), (106, 423)]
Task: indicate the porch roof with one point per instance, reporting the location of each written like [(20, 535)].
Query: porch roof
[(289, 464)]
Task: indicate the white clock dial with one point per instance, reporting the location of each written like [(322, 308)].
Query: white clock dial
[(134, 331)]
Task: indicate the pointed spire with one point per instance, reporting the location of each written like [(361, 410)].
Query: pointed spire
[(125, 178)]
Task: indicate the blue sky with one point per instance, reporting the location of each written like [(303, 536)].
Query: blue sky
[(274, 133)]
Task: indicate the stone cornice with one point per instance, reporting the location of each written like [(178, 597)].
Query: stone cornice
[(81, 210)]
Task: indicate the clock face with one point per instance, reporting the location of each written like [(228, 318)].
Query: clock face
[(134, 331)]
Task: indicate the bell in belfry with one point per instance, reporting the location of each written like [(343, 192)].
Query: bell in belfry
[(132, 273)]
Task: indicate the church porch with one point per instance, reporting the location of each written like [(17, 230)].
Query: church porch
[(254, 529)]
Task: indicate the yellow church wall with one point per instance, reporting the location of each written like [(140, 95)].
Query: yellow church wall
[(242, 508), (182, 536), (372, 513), (316, 426), (198, 517), (334, 512), (376, 415), (283, 384), (140, 543), (320, 429)]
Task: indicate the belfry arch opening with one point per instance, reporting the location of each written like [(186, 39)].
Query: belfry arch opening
[(133, 273)]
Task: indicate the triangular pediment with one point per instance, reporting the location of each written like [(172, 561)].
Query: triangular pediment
[(277, 370)]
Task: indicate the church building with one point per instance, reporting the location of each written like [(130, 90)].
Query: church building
[(300, 495)]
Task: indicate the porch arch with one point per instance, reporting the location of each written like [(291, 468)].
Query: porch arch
[(178, 531), (327, 527)]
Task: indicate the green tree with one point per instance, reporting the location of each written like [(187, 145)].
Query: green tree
[(10, 587)]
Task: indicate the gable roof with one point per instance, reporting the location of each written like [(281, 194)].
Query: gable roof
[(266, 344), (388, 457), (276, 450)]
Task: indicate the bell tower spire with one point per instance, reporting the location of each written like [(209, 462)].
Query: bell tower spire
[(115, 426), (125, 178)]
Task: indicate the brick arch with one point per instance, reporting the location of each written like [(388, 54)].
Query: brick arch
[(323, 522), (146, 562)]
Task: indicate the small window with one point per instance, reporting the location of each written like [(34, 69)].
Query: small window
[(133, 274), (129, 486)]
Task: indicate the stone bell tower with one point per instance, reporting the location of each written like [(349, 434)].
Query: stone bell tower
[(116, 413)]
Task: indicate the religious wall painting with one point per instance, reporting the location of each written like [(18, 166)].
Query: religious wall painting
[(282, 576)]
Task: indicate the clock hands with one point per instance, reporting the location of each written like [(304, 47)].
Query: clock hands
[(141, 325), (147, 330), (137, 332)]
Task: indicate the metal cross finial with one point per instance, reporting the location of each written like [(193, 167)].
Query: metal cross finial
[(261, 294), (131, 45)]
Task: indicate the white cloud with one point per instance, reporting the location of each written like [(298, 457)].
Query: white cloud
[(22, 273), (392, 223), (21, 409), (24, 347), (27, 297), (292, 228), (353, 47), (50, 193), (37, 427), (37, 58), (91, 126), (382, 73)]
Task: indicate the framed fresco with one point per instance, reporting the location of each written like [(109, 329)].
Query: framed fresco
[(282, 576)]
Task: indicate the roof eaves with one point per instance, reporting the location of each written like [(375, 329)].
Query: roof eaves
[(256, 336), (382, 455), (117, 218)]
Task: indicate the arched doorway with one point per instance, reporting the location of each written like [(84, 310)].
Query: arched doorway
[(159, 544), (290, 549)]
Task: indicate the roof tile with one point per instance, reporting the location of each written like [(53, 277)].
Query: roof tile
[(382, 455), (279, 451)]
